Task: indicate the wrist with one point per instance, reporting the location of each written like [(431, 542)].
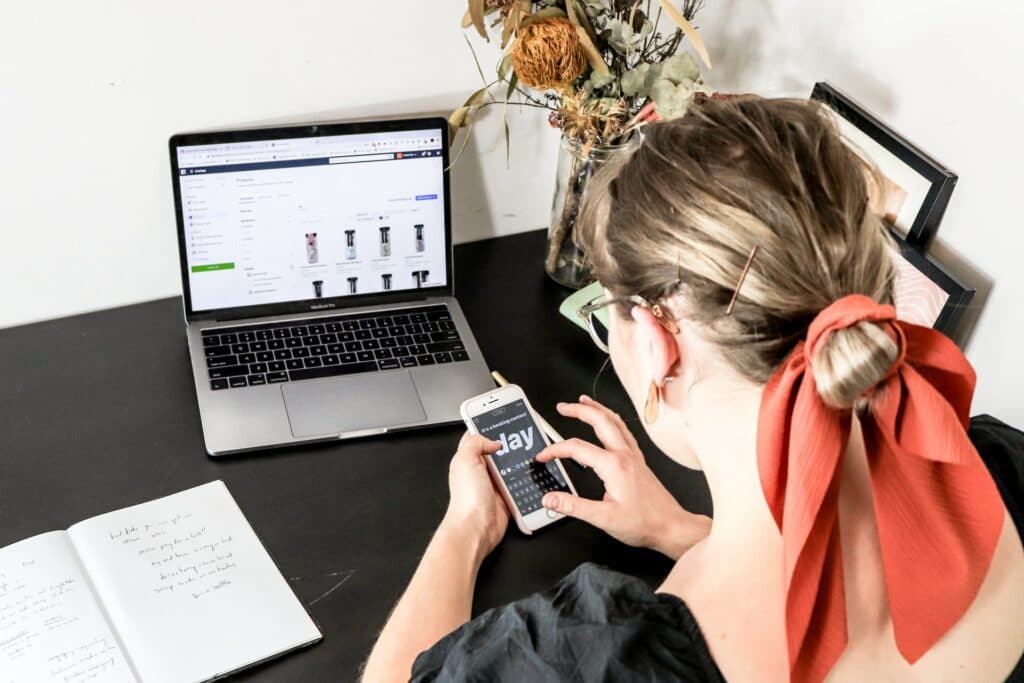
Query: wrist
[(681, 532), (466, 535)]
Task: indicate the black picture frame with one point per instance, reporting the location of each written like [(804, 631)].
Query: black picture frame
[(958, 294), (937, 181)]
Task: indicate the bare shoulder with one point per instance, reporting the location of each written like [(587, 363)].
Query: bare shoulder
[(740, 611), (993, 619)]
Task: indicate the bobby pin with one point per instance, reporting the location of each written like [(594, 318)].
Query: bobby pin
[(743, 276)]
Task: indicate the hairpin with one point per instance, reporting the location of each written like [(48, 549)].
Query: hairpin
[(743, 276)]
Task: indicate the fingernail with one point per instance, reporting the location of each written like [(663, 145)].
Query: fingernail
[(584, 397), (550, 501)]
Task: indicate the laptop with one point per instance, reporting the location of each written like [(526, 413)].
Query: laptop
[(316, 265)]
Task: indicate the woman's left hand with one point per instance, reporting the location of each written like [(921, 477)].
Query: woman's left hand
[(476, 508)]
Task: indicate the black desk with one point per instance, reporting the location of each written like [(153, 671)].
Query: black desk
[(98, 412)]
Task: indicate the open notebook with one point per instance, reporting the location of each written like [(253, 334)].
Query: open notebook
[(176, 589)]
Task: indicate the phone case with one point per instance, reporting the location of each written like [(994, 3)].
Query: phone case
[(493, 468)]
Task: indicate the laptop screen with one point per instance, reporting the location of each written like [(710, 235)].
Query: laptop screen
[(283, 220)]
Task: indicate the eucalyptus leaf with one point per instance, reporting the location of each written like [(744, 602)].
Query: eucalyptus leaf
[(599, 80), (634, 81), (671, 100), (679, 68), (619, 35)]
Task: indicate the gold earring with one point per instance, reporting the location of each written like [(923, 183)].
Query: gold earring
[(652, 405)]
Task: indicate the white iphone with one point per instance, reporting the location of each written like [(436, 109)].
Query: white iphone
[(505, 415)]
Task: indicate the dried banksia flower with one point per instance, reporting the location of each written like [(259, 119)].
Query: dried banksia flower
[(547, 54)]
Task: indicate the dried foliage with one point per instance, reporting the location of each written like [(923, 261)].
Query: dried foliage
[(596, 64), (547, 55)]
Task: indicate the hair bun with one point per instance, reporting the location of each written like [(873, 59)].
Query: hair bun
[(851, 361)]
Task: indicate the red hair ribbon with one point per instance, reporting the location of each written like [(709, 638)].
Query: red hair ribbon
[(938, 511)]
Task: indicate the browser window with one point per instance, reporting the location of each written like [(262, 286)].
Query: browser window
[(274, 221)]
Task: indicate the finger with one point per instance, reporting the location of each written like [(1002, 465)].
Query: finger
[(474, 445), (582, 452), (607, 431), (590, 511), (615, 417)]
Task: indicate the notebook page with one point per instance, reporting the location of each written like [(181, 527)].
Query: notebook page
[(189, 586), (51, 627)]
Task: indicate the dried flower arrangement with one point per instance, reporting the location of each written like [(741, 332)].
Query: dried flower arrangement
[(603, 69), (601, 66)]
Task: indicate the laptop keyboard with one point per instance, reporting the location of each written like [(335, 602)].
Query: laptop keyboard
[(256, 355)]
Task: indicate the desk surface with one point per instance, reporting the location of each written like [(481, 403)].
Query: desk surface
[(98, 412)]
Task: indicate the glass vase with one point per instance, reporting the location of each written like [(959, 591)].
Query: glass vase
[(565, 262)]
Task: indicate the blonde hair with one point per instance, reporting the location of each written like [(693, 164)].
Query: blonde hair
[(675, 221)]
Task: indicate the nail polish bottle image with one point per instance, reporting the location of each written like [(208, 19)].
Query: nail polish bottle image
[(419, 237), (318, 287), (385, 241), (350, 244), (420, 276), (352, 285), (312, 251), (385, 279)]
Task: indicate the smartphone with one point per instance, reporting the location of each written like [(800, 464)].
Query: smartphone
[(505, 415)]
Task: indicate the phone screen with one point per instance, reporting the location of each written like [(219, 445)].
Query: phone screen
[(527, 480)]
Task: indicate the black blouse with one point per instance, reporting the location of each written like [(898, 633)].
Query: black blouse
[(600, 625)]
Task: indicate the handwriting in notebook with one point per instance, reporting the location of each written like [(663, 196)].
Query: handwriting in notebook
[(182, 554), (49, 620)]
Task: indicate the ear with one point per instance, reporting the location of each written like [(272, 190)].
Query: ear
[(661, 344)]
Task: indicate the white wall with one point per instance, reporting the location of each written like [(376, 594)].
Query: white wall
[(91, 91), (945, 74)]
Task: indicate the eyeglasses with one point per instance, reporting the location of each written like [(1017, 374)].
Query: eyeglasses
[(599, 331)]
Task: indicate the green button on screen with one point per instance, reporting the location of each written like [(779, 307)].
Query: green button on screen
[(213, 266)]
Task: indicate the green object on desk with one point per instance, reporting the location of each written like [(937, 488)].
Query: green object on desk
[(581, 297)]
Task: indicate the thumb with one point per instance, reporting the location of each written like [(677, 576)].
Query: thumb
[(589, 511)]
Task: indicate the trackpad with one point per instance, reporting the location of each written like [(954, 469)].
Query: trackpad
[(343, 404)]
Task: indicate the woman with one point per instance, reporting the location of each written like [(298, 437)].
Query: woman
[(858, 533)]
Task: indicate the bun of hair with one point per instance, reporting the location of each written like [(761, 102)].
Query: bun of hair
[(850, 363)]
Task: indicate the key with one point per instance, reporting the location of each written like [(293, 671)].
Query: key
[(218, 384), (332, 370), (231, 371), (237, 382)]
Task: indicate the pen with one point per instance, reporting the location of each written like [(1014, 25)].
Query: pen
[(548, 429)]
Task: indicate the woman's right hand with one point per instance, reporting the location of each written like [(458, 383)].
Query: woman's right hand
[(636, 509)]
